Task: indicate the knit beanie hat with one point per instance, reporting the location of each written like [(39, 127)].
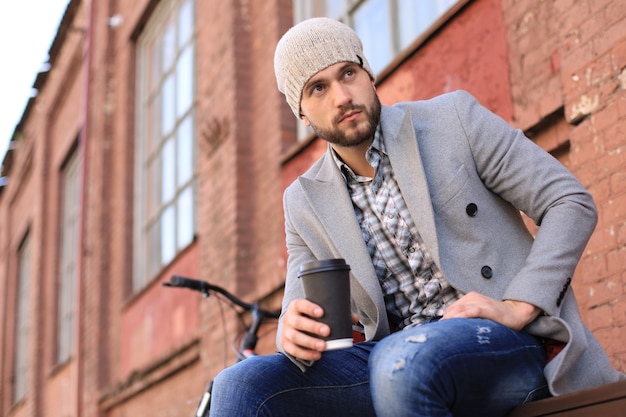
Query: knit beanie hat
[(309, 47)]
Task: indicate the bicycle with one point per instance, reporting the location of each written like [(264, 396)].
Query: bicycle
[(249, 341)]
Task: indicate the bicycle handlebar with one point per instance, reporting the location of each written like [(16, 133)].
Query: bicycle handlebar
[(248, 342), (205, 288)]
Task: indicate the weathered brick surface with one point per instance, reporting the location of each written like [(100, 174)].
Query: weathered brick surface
[(588, 40), (556, 69)]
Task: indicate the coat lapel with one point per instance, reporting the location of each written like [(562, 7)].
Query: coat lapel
[(328, 195), (403, 150)]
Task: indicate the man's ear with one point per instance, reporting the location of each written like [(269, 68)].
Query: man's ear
[(305, 120)]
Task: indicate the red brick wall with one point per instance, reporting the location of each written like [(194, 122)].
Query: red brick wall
[(568, 60), (556, 69), (30, 205), (468, 53)]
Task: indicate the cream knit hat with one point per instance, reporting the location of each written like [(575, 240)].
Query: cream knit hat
[(309, 47)]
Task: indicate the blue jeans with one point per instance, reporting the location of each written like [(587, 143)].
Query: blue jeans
[(456, 367)]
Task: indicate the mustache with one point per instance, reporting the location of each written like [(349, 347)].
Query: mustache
[(347, 109)]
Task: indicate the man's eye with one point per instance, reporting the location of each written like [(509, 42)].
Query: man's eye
[(316, 89), (349, 74)]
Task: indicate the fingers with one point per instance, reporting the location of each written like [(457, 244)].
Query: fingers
[(469, 306), (475, 305), (513, 314), (301, 333), (355, 318)]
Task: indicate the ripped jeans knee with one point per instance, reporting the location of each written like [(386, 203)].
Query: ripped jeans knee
[(454, 367)]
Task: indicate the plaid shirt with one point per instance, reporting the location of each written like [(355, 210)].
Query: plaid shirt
[(414, 289)]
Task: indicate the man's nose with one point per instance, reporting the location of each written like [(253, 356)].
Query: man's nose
[(341, 94)]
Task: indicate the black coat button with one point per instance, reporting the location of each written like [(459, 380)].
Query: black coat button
[(559, 300), (471, 209), (486, 272)]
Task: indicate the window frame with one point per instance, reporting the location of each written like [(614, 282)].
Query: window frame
[(154, 173), (68, 258), (22, 322)]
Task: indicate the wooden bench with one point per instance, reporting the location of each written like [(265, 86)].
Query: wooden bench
[(605, 401)]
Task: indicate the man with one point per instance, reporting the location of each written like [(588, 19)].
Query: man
[(458, 301)]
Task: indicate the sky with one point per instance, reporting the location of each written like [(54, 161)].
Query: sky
[(27, 29)]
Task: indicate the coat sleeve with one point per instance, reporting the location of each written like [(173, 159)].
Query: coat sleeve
[(298, 254), (534, 182)]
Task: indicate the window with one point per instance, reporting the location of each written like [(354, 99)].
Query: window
[(68, 268), (386, 27), (165, 204), (22, 328)]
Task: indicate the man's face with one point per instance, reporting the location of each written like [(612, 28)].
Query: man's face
[(341, 105)]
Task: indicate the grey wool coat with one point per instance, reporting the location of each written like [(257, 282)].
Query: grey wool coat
[(465, 175)]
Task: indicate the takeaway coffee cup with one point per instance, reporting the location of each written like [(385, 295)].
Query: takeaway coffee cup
[(327, 283)]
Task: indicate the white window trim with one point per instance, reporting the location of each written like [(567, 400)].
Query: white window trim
[(141, 275)]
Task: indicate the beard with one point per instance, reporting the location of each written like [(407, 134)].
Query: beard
[(357, 136)]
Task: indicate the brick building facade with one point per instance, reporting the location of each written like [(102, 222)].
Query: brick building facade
[(80, 201)]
